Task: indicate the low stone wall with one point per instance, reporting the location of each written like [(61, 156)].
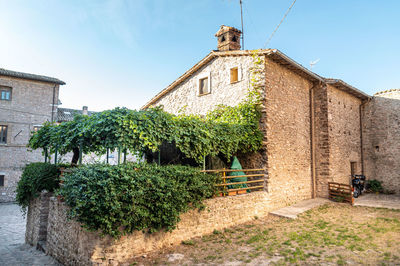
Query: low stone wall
[(36, 220), (73, 245)]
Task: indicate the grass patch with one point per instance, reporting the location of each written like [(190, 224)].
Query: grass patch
[(255, 238), (188, 242), (332, 233), (216, 232)]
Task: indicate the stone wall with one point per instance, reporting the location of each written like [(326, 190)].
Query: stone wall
[(344, 134), (337, 136), (286, 124), (288, 134), (36, 219), (72, 245), (186, 97), (381, 132), (30, 105), (322, 151)]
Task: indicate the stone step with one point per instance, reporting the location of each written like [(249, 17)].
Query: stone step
[(291, 212)]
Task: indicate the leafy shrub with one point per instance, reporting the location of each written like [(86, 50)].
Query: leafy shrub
[(119, 199), (375, 185), (35, 178)]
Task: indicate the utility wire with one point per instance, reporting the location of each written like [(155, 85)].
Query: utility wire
[(277, 27)]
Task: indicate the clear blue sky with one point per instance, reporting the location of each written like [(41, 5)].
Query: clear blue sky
[(121, 53)]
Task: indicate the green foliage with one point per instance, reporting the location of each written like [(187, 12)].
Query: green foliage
[(121, 199), (375, 185), (35, 178), (226, 130)]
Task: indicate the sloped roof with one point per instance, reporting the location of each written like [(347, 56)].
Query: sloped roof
[(387, 91), (22, 75), (276, 56), (67, 114), (340, 84)]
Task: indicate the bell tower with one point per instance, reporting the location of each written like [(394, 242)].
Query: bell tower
[(228, 38)]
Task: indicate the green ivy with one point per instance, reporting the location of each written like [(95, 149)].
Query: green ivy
[(226, 130), (35, 178), (121, 199)]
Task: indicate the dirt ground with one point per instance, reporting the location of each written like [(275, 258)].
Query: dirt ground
[(333, 234)]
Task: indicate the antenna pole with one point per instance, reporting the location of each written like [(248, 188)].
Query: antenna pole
[(241, 17)]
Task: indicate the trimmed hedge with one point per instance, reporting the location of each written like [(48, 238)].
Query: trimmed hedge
[(120, 199), (35, 178)]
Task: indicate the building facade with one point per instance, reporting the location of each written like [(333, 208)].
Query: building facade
[(382, 138), (312, 125), (26, 102)]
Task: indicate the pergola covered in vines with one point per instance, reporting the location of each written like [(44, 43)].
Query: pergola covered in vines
[(222, 132)]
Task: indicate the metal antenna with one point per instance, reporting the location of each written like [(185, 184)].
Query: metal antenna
[(241, 17), (312, 63)]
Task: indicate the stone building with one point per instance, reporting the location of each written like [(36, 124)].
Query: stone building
[(382, 138), (26, 102), (311, 125)]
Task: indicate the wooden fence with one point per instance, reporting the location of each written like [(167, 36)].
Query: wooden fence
[(255, 181), (341, 192)]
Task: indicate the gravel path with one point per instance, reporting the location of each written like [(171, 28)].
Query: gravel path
[(13, 250)]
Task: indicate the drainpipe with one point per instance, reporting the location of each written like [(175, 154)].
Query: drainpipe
[(52, 106), (361, 136), (312, 141)]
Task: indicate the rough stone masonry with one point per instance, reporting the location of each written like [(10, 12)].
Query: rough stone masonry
[(382, 138), (316, 130)]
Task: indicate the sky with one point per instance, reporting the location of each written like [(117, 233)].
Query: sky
[(123, 52)]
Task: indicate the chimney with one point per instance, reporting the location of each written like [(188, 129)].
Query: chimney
[(85, 110), (228, 38)]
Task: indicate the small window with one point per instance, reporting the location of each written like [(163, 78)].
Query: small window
[(234, 75), (1, 180), (5, 94), (3, 134), (203, 86)]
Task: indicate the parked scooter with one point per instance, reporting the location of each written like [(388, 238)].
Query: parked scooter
[(358, 183)]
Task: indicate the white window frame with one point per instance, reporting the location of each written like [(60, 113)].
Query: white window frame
[(6, 90), (203, 76)]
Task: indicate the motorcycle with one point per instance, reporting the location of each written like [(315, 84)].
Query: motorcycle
[(358, 183)]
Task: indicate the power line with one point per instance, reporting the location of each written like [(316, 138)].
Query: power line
[(277, 27)]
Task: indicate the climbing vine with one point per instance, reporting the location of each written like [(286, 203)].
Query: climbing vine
[(226, 130), (120, 199)]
